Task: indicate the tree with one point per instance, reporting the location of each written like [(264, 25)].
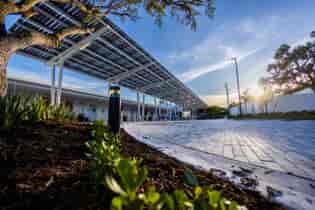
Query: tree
[(267, 95), (216, 111), (294, 68), (185, 11), (246, 97)]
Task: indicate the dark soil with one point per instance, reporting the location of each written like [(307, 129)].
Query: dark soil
[(43, 166)]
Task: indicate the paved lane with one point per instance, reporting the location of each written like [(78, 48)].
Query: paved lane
[(287, 146)]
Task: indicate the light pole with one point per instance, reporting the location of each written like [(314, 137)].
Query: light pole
[(238, 84)]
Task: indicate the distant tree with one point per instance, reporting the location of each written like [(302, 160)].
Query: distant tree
[(185, 11), (294, 68), (246, 97), (216, 111), (267, 95)]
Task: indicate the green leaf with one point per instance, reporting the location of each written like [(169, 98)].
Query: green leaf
[(151, 196), (214, 198), (190, 178), (114, 186), (167, 202), (233, 206), (198, 192), (180, 198), (132, 176), (222, 205), (117, 203)]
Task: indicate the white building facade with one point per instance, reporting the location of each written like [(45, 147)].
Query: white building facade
[(279, 104), (91, 106)]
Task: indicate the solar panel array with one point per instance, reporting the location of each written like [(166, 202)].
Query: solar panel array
[(107, 53)]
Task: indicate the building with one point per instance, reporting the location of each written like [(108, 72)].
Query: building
[(92, 106), (296, 102)]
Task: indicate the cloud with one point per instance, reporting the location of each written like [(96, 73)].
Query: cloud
[(241, 39), (218, 99), (197, 72)]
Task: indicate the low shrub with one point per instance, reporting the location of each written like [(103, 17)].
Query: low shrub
[(13, 111), (61, 113), (39, 109), (125, 177)]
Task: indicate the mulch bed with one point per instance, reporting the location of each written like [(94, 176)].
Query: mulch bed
[(43, 166)]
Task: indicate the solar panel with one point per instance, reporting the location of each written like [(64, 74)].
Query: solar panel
[(110, 54)]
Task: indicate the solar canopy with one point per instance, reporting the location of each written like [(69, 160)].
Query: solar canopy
[(107, 53)]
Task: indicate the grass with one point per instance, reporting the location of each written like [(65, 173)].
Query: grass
[(304, 115)]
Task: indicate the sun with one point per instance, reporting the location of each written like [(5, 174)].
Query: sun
[(256, 91)]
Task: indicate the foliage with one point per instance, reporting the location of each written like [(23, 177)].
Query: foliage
[(190, 178), (13, 111), (246, 97), (100, 130), (39, 109), (267, 94), (104, 149), (216, 111), (126, 177), (293, 68), (61, 113)]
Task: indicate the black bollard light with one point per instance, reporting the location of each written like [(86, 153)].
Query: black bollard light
[(114, 108)]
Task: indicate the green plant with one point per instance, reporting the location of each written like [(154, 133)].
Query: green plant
[(104, 150), (99, 129), (13, 111), (126, 177), (131, 177), (39, 109), (62, 113)]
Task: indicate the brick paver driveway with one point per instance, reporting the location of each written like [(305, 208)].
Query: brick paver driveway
[(287, 146)]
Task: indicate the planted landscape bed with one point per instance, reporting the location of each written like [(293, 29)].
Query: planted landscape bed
[(44, 166)]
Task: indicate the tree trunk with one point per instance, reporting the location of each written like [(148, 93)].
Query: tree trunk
[(10, 44), (4, 57)]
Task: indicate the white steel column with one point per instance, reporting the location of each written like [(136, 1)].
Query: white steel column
[(159, 110), (139, 108), (167, 111), (59, 90), (143, 106), (52, 86), (155, 109)]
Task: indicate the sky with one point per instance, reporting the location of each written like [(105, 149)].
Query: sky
[(248, 30)]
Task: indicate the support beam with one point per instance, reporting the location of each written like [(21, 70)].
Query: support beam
[(129, 73), (153, 85), (59, 90), (53, 86), (77, 46)]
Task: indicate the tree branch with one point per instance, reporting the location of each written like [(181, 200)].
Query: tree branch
[(36, 38)]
